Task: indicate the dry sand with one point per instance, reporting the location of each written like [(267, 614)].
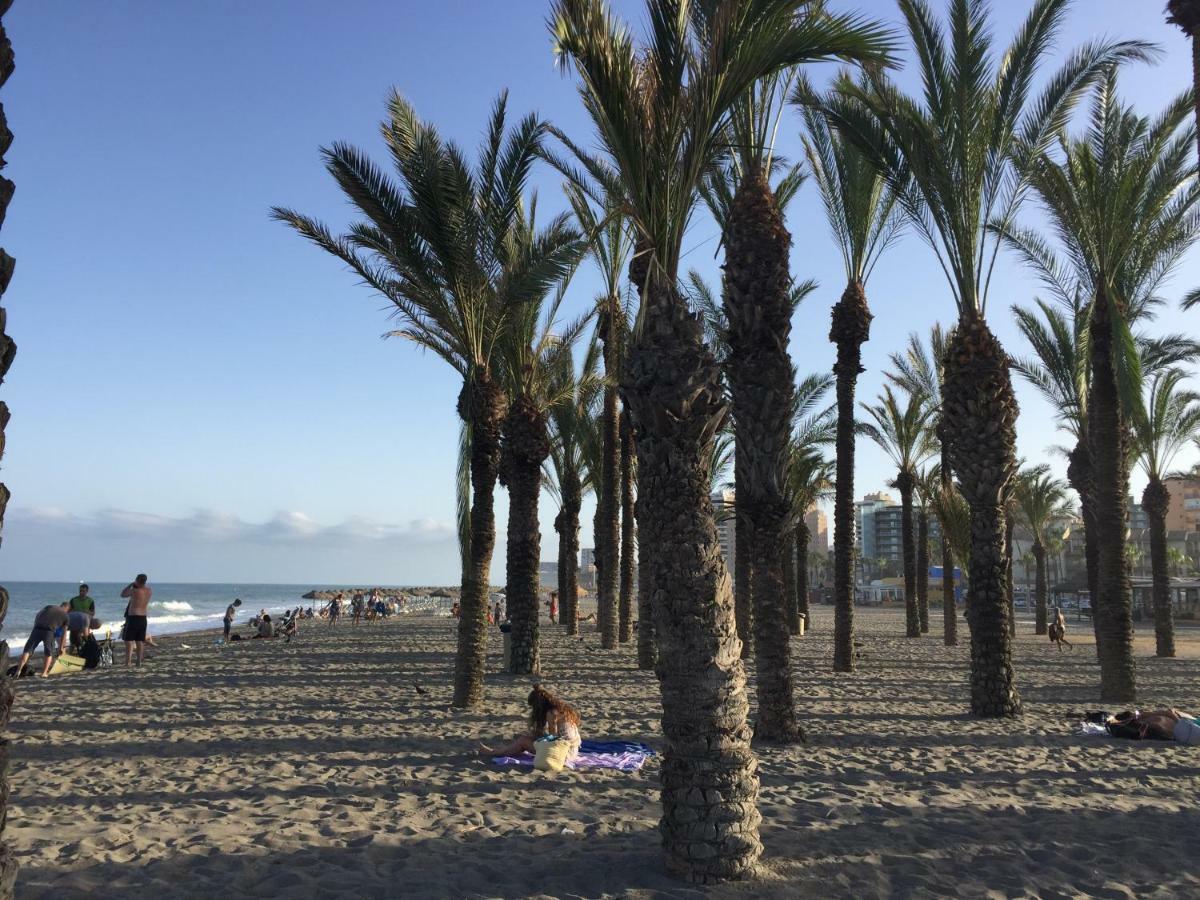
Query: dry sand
[(316, 769)]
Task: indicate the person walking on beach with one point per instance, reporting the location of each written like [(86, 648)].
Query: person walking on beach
[(554, 607), (230, 612), (138, 594), (48, 621), (335, 609)]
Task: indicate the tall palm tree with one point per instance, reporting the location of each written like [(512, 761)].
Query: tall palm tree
[(925, 489), (1186, 15), (660, 112), (860, 208), (610, 246), (956, 157), (568, 424), (809, 477), (8, 350), (902, 432), (1168, 421), (1122, 200), (440, 245), (918, 370), (1040, 498), (625, 609)]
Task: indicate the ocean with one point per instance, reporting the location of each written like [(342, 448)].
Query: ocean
[(174, 608)]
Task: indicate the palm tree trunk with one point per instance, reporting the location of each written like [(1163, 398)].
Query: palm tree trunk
[(609, 499), (802, 588), (628, 534), (758, 308), (526, 445), (1079, 474), (923, 568), (1108, 445), (949, 607), (791, 579), (980, 427), (743, 565), (1155, 501), (850, 328), (8, 350), (710, 820), (647, 646), (484, 403), (1042, 614), (1008, 567), (567, 525), (912, 615)]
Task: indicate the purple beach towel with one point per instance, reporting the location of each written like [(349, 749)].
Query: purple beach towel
[(625, 756)]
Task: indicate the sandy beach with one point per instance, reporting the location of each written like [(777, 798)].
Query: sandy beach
[(317, 769)]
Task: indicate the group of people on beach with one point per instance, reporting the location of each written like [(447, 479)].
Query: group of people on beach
[(362, 607)]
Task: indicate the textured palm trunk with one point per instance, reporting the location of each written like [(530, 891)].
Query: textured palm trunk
[(1109, 450), (923, 568), (849, 330), (567, 526), (758, 308), (1008, 577), (1041, 607), (803, 538), (1079, 474), (1155, 501), (628, 535), (980, 430), (710, 819), (743, 564), (607, 578), (8, 350), (949, 606), (484, 402), (647, 645), (525, 446), (912, 615)]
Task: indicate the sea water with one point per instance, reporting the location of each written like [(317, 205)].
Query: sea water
[(174, 608)]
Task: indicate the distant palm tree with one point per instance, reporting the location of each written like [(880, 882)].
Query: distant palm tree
[(1168, 421), (660, 114), (918, 370), (1186, 14), (926, 487), (957, 157), (860, 208), (441, 246), (1040, 498), (1122, 200), (809, 477), (568, 424), (903, 433)]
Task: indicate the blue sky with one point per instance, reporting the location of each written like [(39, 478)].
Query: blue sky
[(200, 394)]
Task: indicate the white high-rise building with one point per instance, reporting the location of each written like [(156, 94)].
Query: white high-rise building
[(723, 506)]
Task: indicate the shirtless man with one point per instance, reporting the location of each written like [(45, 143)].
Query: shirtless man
[(138, 593)]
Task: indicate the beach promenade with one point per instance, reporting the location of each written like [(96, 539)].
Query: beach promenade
[(318, 769)]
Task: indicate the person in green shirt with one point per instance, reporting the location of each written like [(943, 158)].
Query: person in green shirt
[(82, 602)]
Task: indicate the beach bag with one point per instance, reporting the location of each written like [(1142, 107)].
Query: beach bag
[(106, 655), (1187, 731), (550, 755), (90, 651)]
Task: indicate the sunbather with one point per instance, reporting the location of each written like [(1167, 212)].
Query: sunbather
[(549, 715)]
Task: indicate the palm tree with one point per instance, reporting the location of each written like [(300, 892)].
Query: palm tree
[(919, 371), (440, 245), (1122, 201), (8, 350), (809, 476), (956, 158), (628, 536), (859, 206), (1040, 498), (1168, 421), (1186, 14), (568, 426), (925, 489), (610, 246), (660, 113), (903, 434)]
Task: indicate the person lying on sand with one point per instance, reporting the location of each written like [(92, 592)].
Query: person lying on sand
[(548, 715)]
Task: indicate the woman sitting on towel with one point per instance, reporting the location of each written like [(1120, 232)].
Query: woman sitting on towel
[(549, 715)]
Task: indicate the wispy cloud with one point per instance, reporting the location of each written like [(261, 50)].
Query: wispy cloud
[(285, 527)]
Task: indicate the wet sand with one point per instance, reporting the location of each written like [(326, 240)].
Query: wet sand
[(318, 769)]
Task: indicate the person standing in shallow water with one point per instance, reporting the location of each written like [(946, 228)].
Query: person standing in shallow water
[(138, 593)]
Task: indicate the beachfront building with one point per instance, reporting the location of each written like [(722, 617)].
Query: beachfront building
[(818, 531), (724, 502), (864, 522), (1183, 512), (587, 568)]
